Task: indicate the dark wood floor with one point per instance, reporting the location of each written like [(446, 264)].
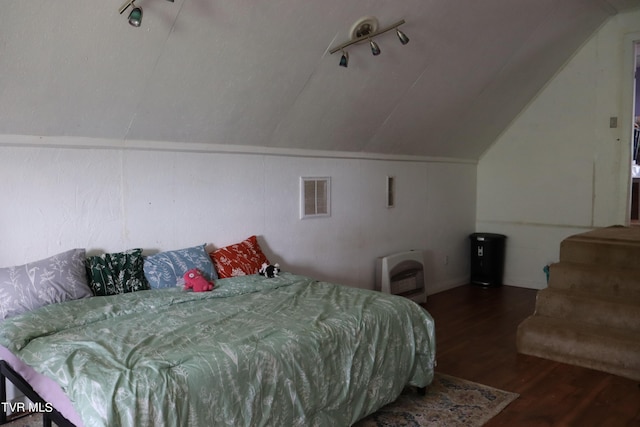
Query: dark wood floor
[(475, 339)]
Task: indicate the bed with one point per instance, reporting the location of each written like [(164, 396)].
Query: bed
[(255, 351)]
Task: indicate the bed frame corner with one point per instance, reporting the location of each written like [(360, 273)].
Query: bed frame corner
[(7, 373)]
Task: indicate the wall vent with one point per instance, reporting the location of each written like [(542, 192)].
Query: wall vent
[(391, 191), (315, 197)]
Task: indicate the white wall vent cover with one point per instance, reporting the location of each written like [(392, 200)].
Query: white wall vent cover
[(315, 197)]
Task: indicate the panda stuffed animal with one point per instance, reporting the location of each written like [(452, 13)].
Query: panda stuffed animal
[(269, 271)]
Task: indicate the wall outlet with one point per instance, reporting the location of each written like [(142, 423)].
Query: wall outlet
[(613, 122)]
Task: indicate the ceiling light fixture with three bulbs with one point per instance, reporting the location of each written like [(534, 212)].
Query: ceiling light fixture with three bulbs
[(366, 29)]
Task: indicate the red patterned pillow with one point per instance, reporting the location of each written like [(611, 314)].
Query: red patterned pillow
[(240, 259)]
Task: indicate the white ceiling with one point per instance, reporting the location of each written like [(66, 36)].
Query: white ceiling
[(259, 73)]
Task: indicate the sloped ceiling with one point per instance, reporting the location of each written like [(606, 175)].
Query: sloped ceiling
[(259, 73)]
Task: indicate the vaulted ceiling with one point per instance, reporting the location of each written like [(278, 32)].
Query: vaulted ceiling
[(257, 73)]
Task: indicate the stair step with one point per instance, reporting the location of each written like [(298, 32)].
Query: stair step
[(580, 307), (594, 279), (604, 349), (615, 247), (589, 315)]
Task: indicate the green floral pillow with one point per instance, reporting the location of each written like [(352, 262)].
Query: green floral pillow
[(116, 273)]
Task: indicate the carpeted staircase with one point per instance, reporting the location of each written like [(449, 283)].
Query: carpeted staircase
[(589, 315)]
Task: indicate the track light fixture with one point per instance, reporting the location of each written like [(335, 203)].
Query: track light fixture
[(366, 29), (135, 16), (375, 49), (344, 59), (402, 36)]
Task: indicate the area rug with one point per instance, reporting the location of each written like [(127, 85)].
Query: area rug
[(449, 402)]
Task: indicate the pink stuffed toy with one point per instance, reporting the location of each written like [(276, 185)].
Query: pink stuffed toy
[(193, 279)]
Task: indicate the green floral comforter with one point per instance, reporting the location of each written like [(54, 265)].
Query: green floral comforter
[(285, 351)]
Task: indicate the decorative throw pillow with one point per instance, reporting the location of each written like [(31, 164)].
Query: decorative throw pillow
[(240, 259), (59, 278), (117, 273), (166, 269)]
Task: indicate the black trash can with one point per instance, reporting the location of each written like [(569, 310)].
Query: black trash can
[(487, 258)]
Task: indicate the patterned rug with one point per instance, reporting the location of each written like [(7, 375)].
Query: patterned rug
[(449, 402)]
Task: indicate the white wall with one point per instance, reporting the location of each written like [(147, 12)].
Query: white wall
[(115, 197), (559, 169)]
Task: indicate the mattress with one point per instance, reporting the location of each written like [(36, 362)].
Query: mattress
[(254, 351)]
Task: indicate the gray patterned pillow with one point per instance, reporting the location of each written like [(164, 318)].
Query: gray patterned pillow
[(59, 278), (117, 273)]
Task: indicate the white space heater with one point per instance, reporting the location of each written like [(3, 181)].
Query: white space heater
[(402, 274)]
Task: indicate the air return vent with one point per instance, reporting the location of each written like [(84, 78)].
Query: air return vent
[(391, 191), (315, 197)]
